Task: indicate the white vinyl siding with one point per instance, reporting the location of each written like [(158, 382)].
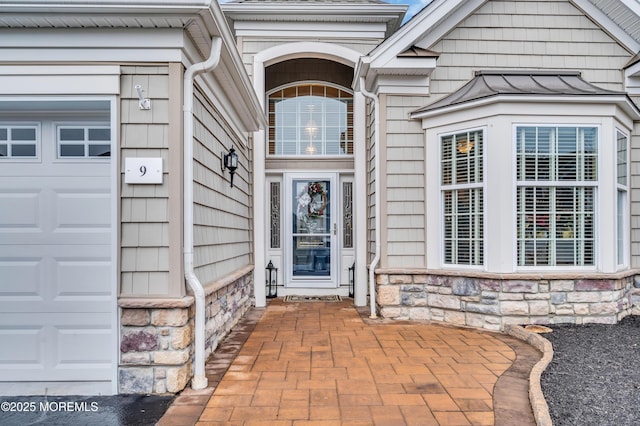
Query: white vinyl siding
[(462, 171), (556, 187)]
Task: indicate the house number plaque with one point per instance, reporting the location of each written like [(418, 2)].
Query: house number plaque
[(143, 170)]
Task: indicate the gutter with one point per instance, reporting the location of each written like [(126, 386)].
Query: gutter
[(376, 146), (199, 380)]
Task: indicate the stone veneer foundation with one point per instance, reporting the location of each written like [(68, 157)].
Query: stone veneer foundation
[(492, 301), (156, 335)]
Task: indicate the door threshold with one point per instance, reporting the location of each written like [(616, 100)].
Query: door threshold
[(297, 298), (289, 291)]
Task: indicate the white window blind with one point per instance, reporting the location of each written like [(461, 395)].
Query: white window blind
[(557, 177), (463, 198)]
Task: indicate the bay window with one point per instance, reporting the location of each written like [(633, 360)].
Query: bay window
[(557, 176), (462, 191)]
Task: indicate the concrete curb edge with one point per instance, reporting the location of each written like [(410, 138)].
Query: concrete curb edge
[(536, 397)]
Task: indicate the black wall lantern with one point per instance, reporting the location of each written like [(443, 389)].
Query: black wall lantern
[(272, 281), (230, 161), (352, 278)]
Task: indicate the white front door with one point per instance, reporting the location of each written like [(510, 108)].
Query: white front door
[(311, 226)]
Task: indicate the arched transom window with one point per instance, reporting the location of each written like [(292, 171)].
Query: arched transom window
[(310, 119)]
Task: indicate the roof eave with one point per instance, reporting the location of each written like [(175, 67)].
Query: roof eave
[(103, 6), (622, 100), (391, 14)]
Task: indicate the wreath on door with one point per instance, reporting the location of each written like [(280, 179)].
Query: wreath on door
[(313, 199)]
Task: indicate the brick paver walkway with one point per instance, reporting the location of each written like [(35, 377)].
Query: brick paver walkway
[(324, 364)]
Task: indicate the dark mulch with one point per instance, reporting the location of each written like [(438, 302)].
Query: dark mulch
[(594, 378)]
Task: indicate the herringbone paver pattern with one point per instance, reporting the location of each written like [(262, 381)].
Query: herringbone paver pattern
[(322, 364)]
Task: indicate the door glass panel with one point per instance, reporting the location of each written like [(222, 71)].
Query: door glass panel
[(311, 228)]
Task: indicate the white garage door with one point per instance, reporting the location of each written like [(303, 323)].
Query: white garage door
[(57, 294)]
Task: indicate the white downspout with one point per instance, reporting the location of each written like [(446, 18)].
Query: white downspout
[(376, 147), (199, 380)]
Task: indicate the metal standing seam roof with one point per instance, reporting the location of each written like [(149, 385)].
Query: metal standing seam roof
[(487, 84)]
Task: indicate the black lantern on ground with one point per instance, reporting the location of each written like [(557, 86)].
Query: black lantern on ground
[(352, 278), (230, 161), (272, 281)]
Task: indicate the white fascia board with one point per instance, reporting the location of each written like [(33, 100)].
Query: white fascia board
[(90, 55), (633, 5), (433, 16), (608, 25), (254, 117), (75, 38), (553, 105), (6, 70), (542, 112), (409, 66), (632, 79), (60, 80), (362, 11), (310, 29), (401, 85), (102, 6), (91, 44)]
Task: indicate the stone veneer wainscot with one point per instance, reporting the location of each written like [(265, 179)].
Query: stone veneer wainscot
[(492, 301), (156, 344)]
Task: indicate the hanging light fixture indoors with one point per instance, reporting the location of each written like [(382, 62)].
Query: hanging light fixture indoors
[(312, 130)]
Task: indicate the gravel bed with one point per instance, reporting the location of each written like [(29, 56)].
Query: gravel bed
[(594, 378)]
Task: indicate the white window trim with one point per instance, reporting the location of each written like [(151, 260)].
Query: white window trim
[(626, 230), (84, 125), (596, 200), (482, 185)]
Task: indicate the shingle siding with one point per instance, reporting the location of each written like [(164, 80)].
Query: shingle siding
[(222, 215), (143, 208), (635, 196), (371, 181), (542, 35), (405, 180)]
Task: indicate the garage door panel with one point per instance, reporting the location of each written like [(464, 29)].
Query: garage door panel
[(68, 211), (20, 278), (82, 278), (21, 345), (20, 212), (81, 211), (59, 350), (82, 275)]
